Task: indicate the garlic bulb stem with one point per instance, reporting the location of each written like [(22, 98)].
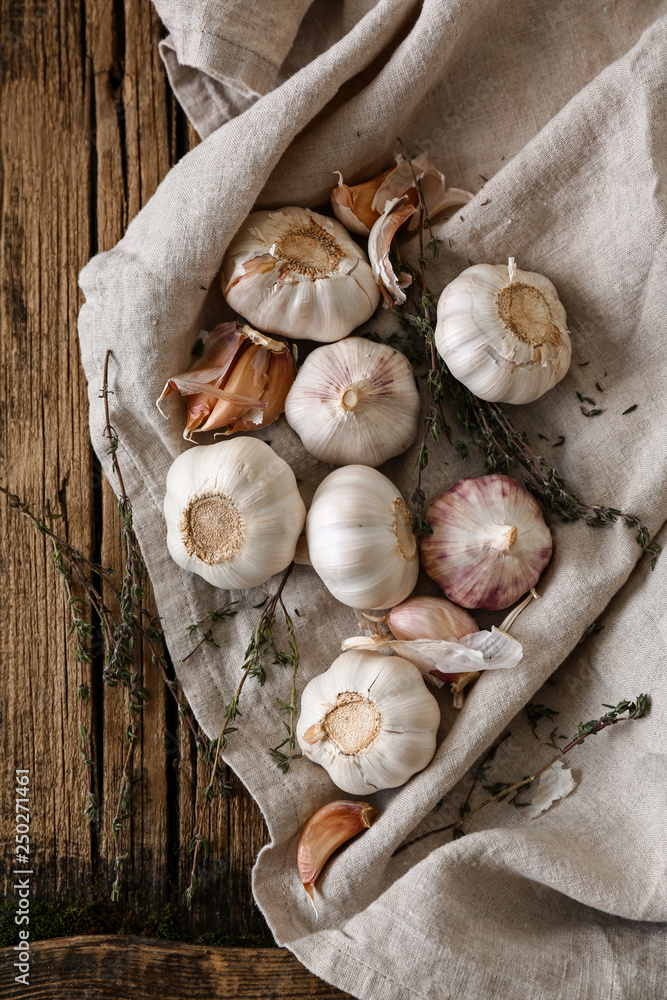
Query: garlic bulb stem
[(511, 269), (514, 614)]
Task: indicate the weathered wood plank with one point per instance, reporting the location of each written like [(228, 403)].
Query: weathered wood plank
[(44, 451), (111, 968)]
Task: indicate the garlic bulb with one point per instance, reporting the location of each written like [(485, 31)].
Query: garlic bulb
[(239, 383), (233, 512), (503, 333), (354, 402), (369, 721), (361, 540), (489, 542), (325, 831), (300, 274)]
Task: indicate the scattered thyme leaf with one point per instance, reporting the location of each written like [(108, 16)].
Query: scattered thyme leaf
[(535, 712), (630, 409), (591, 413), (560, 441)]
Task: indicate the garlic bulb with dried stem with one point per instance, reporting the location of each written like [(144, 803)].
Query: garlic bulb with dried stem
[(502, 333), (233, 512), (326, 830), (240, 383), (489, 543), (361, 540), (354, 403), (299, 274), (369, 721)]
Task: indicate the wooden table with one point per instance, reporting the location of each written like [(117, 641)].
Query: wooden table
[(89, 127)]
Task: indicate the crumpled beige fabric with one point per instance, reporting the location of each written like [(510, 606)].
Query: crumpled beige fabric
[(561, 107)]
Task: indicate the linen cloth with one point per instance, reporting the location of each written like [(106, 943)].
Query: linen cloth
[(554, 113)]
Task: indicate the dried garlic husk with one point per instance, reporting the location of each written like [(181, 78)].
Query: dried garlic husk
[(489, 543), (240, 382), (369, 721), (553, 784), (354, 403), (299, 274), (325, 831), (233, 512), (503, 333), (395, 214), (361, 540), (359, 206)]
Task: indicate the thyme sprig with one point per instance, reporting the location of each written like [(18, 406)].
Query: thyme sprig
[(624, 711), (261, 643), (486, 424), (224, 611), (288, 659)]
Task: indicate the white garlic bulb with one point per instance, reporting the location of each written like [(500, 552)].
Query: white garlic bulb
[(299, 274), (503, 333), (361, 540), (233, 512), (369, 721), (354, 402), (489, 542)]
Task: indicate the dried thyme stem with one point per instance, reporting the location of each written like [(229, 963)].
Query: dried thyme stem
[(260, 641), (635, 710)]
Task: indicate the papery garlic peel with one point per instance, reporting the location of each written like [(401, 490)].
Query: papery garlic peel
[(233, 512), (369, 721), (502, 333), (240, 383), (489, 543), (300, 274), (361, 539), (354, 402), (326, 830)]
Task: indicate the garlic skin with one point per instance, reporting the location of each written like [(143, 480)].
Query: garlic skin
[(429, 618), (325, 831), (369, 721), (300, 274), (489, 543), (361, 540), (354, 403), (240, 382), (395, 214), (233, 513), (503, 333), (359, 206)]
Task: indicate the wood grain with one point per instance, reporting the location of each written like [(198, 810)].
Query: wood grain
[(111, 968), (89, 130)]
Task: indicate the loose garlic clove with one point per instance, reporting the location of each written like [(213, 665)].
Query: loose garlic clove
[(354, 403), (395, 214), (361, 539), (353, 205), (240, 383), (326, 830), (299, 274), (489, 543), (502, 332), (429, 618), (233, 513), (369, 721)]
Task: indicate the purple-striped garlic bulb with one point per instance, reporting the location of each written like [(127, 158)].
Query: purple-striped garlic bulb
[(429, 618), (489, 543)]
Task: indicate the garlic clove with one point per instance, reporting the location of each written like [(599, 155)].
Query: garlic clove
[(353, 205), (489, 543), (502, 332), (361, 538), (354, 403), (298, 273), (240, 382), (233, 512), (395, 214), (369, 721), (327, 830), (429, 618)]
